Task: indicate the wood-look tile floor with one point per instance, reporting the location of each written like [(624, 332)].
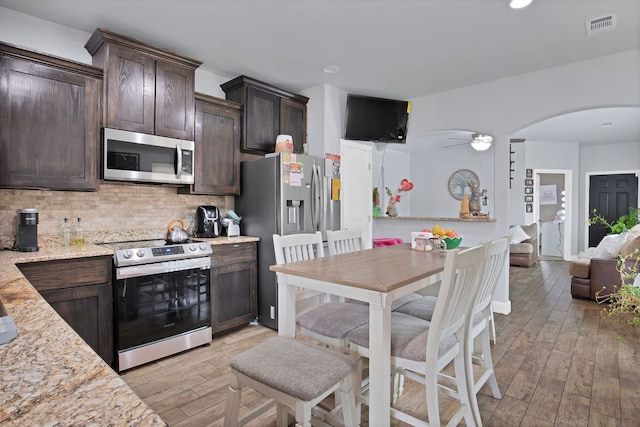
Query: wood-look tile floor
[(558, 362)]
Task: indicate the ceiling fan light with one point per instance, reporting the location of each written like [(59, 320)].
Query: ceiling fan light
[(480, 145), (481, 142), (519, 4)]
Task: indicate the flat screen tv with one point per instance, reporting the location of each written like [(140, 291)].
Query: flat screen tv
[(376, 119)]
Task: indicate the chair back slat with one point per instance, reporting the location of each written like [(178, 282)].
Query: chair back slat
[(462, 275), (297, 247), (497, 254), (344, 241)]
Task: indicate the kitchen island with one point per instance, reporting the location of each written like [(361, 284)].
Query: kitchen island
[(48, 374)]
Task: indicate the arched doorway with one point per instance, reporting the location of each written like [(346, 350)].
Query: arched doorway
[(585, 142)]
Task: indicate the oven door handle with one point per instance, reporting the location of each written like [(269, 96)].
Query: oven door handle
[(203, 263)]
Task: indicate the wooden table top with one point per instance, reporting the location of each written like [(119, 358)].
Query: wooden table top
[(380, 269)]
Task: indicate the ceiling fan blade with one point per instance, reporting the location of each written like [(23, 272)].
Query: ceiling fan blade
[(517, 140), (455, 145), (459, 139)]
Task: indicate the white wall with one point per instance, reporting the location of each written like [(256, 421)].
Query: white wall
[(431, 171), (325, 112), (390, 167), (44, 36), (603, 158), (550, 155), (315, 119), (581, 160), (499, 108), (502, 107)]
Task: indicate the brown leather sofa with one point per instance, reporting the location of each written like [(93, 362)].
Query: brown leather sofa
[(525, 254), (599, 275)]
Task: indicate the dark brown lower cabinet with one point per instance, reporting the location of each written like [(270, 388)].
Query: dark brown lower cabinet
[(233, 286), (83, 309), (80, 291)]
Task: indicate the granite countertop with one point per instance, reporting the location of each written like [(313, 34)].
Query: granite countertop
[(48, 374), (223, 240), (426, 218)]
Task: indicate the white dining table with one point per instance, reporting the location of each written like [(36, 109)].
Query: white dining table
[(377, 276)]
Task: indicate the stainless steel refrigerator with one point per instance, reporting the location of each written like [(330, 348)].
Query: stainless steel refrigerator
[(285, 194)]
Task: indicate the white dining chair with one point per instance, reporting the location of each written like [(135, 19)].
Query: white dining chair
[(420, 349), (481, 318), (293, 374), (298, 247), (481, 321), (325, 321), (344, 241)]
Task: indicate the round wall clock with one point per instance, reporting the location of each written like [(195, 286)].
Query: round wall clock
[(459, 183)]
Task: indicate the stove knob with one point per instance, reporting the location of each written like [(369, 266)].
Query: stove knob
[(127, 254), (140, 253), (203, 246), (193, 247)]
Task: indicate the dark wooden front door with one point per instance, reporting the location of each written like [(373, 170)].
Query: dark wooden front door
[(611, 196)]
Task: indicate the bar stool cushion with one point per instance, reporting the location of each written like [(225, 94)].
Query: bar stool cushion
[(297, 368), (408, 337)]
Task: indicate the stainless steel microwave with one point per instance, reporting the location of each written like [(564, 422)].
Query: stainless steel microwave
[(139, 157)]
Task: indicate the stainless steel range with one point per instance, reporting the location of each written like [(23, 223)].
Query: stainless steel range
[(162, 299)]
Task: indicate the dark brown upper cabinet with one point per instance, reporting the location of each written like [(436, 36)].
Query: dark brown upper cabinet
[(268, 112), (146, 89), (49, 121), (217, 156)]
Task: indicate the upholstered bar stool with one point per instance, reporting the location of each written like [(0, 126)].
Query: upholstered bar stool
[(293, 374)]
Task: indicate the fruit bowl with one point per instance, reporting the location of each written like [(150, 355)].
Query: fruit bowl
[(453, 242)]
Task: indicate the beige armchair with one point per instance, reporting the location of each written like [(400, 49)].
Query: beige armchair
[(525, 254)]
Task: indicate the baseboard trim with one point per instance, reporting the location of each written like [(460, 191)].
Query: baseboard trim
[(502, 307)]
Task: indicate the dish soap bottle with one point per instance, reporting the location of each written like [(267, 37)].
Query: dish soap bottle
[(78, 235), (65, 233)]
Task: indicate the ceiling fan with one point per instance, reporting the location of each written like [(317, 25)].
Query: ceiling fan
[(478, 141)]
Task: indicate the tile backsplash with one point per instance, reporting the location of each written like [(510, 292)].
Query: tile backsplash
[(115, 212)]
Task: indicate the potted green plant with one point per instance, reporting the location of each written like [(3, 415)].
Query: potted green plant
[(624, 302), (625, 222)]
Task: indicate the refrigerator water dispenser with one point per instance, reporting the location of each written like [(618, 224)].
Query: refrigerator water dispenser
[(295, 216)]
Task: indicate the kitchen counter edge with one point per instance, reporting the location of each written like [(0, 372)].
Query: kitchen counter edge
[(48, 374)]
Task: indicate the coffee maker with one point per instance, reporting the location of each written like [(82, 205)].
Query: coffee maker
[(27, 230), (208, 221)]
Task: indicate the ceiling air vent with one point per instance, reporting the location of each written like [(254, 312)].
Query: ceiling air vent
[(601, 24)]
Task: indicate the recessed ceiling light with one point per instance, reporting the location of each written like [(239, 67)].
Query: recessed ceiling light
[(519, 4), (331, 69)]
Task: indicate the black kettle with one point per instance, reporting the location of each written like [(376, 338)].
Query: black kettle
[(208, 222)]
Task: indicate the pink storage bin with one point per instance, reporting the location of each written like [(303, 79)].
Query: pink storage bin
[(386, 241)]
